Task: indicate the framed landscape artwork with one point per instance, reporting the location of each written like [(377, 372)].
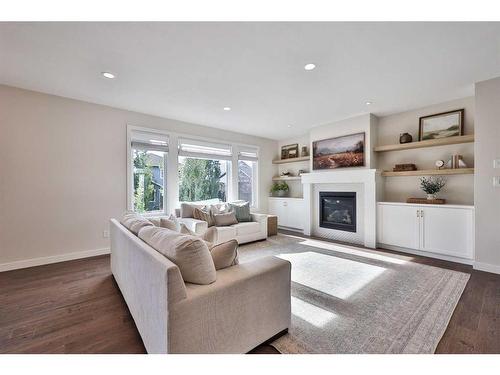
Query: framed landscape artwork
[(340, 152), (290, 151), (441, 125)]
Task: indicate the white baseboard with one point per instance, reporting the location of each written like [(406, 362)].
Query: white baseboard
[(427, 254), (487, 267), (51, 259)]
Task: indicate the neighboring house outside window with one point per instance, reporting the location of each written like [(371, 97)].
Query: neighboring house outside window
[(247, 175)]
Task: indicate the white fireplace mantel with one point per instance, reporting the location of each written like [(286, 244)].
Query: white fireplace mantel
[(369, 178)]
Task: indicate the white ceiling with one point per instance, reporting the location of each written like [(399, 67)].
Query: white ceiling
[(190, 71)]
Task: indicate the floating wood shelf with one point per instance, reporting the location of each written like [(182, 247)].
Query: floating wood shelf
[(292, 160), (428, 143), (283, 178), (429, 172)]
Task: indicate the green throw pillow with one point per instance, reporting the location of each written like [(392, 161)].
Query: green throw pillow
[(241, 210)]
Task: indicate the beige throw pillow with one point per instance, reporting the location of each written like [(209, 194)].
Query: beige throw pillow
[(187, 209), (189, 253), (200, 214), (155, 220), (169, 224), (134, 222), (224, 254), (224, 220)]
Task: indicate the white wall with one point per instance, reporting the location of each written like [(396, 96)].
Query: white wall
[(63, 171), (487, 197), (460, 188)]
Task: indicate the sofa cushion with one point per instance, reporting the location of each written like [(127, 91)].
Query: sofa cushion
[(242, 211), (224, 220), (224, 234), (246, 228), (205, 215), (135, 222), (189, 253), (224, 254)]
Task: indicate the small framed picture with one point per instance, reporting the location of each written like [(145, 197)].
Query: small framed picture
[(290, 151), (441, 125)]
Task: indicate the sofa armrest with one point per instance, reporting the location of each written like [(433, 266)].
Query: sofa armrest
[(247, 304), (149, 283), (259, 217), (197, 226), (262, 220)]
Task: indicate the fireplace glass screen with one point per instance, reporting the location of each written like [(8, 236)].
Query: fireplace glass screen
[(338, 210)]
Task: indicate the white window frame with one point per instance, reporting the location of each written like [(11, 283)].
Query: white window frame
[(255, 177), (171, 168), (223, 157), (130, 169)]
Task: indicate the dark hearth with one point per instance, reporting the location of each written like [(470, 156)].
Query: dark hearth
[(337, 210)]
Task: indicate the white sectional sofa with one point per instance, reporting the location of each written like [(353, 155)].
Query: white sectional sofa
[(246, 305)]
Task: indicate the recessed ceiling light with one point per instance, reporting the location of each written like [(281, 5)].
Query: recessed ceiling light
[(368, 103), (108, 75), (309, 66), (227, 108), (289, 126)]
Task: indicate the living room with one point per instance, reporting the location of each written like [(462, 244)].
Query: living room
[(249, 187)]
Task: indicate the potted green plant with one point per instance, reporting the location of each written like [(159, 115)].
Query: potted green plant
[(280, 189), (432, 185)]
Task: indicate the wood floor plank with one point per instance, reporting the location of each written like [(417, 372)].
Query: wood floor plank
[(76, 307)]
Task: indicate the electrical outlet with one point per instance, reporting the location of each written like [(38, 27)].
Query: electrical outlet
[(105, 233), (496, 163), (496, 181)]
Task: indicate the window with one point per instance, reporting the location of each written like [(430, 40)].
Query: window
[(149, 153), (204, 171), (247, 175)]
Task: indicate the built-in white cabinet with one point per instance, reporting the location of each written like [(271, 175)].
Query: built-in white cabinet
[(290, 212), (443, 230)]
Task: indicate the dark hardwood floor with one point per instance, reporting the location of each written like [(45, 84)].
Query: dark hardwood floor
[(76, 307)]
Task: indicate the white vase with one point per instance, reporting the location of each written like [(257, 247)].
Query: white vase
[(431, 196)]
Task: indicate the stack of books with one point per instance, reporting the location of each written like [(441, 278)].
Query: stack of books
[(404, 167)]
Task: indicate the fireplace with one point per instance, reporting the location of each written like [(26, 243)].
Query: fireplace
[(337, 210)]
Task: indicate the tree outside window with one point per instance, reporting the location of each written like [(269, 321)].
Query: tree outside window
[(148, 180), (202, 179)]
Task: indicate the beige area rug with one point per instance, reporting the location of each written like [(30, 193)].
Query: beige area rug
[(351, 300)]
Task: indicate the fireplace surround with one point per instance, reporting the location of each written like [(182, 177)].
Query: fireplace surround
[(337, 210), (364, 182)]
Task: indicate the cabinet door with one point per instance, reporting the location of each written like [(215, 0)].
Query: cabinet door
[(295, 214), (277, 207), (399, 226), (448, 231)]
